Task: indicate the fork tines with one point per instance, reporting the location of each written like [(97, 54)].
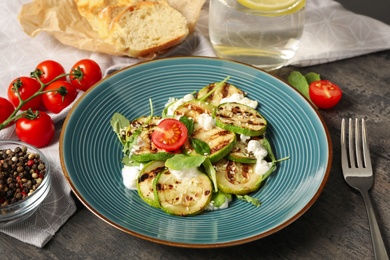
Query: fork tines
[(357, 155)]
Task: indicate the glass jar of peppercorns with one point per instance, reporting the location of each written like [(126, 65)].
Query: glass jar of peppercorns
[(24, 180)]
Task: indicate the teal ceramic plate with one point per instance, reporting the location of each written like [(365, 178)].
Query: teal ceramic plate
[(91, 154)]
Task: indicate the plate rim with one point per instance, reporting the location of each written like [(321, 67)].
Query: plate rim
[(183, 244)]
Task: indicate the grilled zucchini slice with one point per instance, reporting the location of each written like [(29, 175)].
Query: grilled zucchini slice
[(183, 197), (143, 149), (240, 119), (193, 109), (139, 124), (145, 182), (220, 141), (237, 178), (225, 91)]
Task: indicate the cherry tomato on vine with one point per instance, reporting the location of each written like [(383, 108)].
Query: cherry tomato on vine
[(26, 87), (36, 128), (6, 109), (324, 93), (49, 70), (170, 134), (56, 101), (85, 73)]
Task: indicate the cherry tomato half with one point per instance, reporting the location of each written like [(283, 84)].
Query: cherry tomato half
[(90, 72), (56, 101), (170, 134), (6, 109), (49, 70), (27, 87), (324, 93), (37, 131)]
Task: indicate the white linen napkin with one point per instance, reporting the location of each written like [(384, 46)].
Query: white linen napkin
[(330, 33)]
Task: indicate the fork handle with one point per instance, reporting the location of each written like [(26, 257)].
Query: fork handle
[(377, 240)]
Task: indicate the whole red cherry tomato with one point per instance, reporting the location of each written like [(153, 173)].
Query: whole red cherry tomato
[(324, 93), (48, 70), (170, 134), (84, 74), (26, 87), (56, 101), (6, 109), (36, 128)]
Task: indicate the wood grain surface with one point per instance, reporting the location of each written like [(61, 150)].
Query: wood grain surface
[(335, 227)]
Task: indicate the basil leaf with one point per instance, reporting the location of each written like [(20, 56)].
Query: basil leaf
[(219, 198), (119, 123), (267, 146), (200, 147), (181, 161), (128, 162), (299, 82), (268, 173), (312, 76), (271, 156), (249, 199), (189, 123), (209, 169)]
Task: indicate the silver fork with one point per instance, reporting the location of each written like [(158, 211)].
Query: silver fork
[(357, 171)]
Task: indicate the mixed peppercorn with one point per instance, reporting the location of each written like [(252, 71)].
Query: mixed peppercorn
[(21, 173)]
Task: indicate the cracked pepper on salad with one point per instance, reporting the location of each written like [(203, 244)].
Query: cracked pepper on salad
[(205, 150)]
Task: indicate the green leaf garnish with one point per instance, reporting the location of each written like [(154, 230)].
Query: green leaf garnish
[(311, 77), (181, 161), (151, 109), (189, 123), (267, 146), (299, 82), (200, 147), (118, 123), (249, 199), (217, 86), (219, 198), (209, 169), (128, 162)]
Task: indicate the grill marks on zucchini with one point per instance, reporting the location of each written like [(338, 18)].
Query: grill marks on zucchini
[(236, 178), (193, 109), (240, 119), (140, 124), (219, 140), (143, 149), (215, 98), (146, 179), (183, 197)]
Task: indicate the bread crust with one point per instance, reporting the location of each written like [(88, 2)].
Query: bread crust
[(139, 28)]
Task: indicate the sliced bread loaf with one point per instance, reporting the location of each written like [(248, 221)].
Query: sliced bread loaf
[(147, 28)]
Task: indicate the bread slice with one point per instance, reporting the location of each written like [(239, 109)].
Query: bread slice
[(96, 11), (139, 28), (147, 28)]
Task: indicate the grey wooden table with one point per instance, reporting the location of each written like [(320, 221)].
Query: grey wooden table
[(335, 227)]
